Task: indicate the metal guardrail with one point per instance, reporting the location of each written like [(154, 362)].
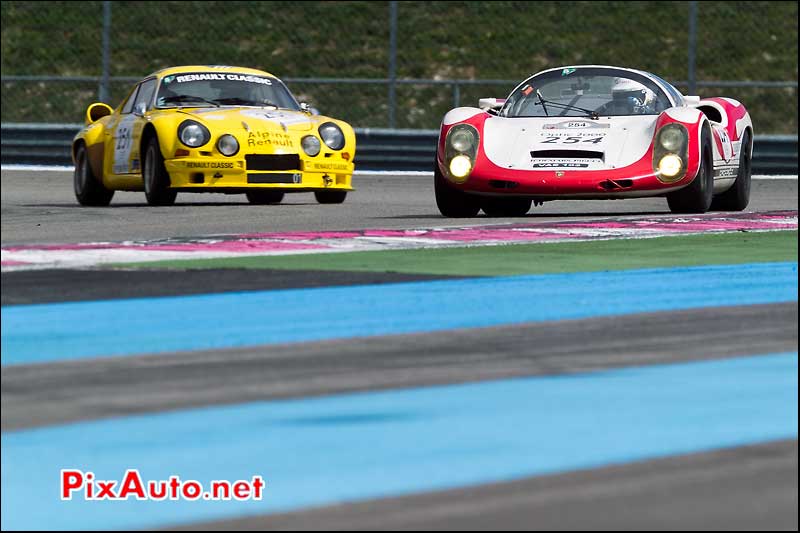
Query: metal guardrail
[(377, 149)]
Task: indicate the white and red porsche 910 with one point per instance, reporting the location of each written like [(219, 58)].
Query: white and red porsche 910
[(593, 132)]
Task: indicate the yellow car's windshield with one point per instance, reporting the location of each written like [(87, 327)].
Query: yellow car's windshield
[(204, 89)]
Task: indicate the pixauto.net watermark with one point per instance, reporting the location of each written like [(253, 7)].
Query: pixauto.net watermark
[(84, 485)]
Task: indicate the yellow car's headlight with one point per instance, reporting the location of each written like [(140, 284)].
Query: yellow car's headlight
[(228, 145), (332, 136), (193, 134), (311, 145)]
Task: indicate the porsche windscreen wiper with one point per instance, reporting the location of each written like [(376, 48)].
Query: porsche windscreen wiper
[(181, 98), (542, 102), (235, 100)]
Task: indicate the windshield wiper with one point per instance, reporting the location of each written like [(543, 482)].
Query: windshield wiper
[(235, 100), (187, 98), (592, 114), (541, 101)]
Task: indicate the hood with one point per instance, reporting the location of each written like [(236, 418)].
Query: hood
[(257, 118), (575, 143)]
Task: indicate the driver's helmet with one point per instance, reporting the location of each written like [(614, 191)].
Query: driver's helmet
[(631, 97)]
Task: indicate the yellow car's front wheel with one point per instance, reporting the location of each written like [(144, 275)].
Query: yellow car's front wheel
[(330, 197), (156, 177)]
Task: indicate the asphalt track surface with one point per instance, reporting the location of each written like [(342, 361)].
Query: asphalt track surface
[(749, 487), (39, 207)]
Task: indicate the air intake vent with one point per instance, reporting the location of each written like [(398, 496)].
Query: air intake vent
[(272, 162), (566, 154), (503, 184)]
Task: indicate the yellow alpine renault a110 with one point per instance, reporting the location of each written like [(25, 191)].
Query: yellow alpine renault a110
[(211, 129)]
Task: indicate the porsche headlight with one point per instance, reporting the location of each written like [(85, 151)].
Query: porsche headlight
[(460, 166), (670, 165), (460, 151), (462, 140), (228, 145), (193, 134), (670, 152), (332, 136), (311, 145), (671, 139)]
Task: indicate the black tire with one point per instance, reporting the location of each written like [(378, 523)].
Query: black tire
[(450, 201), (697, 196), (156, 177), (738, 196), (330, 197), (506, 207), (89, 190), (264, 197)]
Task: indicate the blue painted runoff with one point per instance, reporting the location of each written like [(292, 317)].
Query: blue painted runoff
[(351, 447), (52, 332)]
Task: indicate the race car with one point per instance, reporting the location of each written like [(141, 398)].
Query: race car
[(593, 132), (211, 129)]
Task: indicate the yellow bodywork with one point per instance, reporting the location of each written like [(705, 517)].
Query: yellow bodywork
[(115, 143)]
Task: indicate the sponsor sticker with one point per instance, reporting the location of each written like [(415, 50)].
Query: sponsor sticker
[(574, 124), (563, 162), (567, 71), (328, 166), (209, 164), (560, 165), (571, 137), (268, 138), (214, 76)]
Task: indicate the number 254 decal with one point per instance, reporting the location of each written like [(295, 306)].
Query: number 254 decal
[(572, 140)]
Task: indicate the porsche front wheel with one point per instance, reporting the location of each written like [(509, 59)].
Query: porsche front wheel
[(696, 197), (450, 201), (156, 178), (89, 190), (506, 207)]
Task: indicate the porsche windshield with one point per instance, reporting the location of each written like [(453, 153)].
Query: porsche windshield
[(586, 92), (206, 89)]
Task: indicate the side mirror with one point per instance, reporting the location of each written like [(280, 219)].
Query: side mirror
[(139, 109), (491, 104), (97, 111), (309, 109)]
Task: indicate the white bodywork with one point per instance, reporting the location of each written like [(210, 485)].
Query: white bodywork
[(509, 142)]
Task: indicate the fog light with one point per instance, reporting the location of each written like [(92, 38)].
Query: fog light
[(670, 165), (460, 166)]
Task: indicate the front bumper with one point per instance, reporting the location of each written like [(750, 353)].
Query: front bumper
[(637, 180), (231, 173)]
